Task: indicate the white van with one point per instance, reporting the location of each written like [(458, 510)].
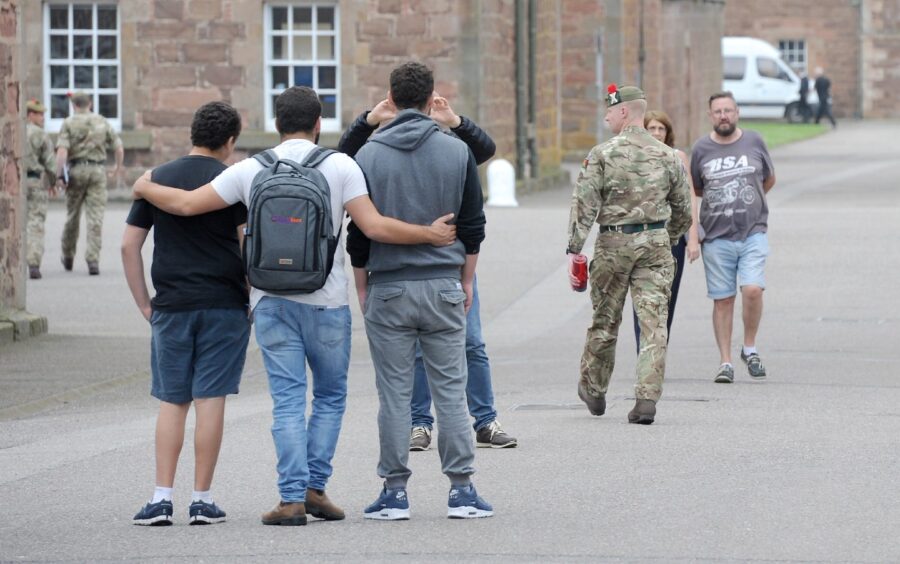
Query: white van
[(763, 85)]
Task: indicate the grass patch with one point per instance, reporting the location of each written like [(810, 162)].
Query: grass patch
[(776, 133)]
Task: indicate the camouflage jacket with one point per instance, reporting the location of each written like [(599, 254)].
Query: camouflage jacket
[(39, 155), (87, 136), (631, 178)]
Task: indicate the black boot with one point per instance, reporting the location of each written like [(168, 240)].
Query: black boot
[(643, 412), (596, 405)]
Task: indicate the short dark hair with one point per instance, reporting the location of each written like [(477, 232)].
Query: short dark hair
[(297, 109), (411, 85), (214, 123), (722, 94)]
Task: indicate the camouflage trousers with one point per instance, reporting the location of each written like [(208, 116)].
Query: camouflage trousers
[(643, 263), (38, 196), (87, 187)]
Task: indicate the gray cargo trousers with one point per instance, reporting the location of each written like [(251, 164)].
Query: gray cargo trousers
[(432, 312)]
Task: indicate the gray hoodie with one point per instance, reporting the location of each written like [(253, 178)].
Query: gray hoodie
[(417, 174)]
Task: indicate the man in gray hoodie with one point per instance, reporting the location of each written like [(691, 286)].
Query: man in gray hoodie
[(422, 293)]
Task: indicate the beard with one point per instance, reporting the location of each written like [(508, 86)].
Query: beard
[(725, 129)]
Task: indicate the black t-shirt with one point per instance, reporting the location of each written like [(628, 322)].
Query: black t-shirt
[(196, 260)]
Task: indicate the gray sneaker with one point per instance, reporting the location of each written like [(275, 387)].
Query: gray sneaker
[(419, 439), (492, 435), (725, 375), (754, 365)]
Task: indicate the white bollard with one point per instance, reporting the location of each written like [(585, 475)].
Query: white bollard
[(501, 178)]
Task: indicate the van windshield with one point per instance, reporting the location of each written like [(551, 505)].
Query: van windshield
[(734, 67)]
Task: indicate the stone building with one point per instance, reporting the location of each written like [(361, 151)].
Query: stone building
[(857, 42)]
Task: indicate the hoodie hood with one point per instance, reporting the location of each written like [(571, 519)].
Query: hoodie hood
[(407, 131)]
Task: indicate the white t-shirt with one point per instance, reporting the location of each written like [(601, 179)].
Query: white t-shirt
[(346, 182)]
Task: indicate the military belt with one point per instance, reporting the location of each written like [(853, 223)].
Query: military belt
[(76, 162), (633, 228), (33, 174)]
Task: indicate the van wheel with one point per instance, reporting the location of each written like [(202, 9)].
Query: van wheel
[(792, 113)]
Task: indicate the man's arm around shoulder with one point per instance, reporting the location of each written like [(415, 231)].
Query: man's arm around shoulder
[(176, 201)]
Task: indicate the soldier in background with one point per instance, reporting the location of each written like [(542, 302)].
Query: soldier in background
[(636, 188), (83, 141), (39, 159)]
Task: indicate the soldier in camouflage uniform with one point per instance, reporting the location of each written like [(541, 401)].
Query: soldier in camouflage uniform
[(39, 159), (636, 189), (83, 141)]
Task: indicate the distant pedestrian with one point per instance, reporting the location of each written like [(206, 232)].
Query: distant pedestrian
[(39, 161), (660, 127), (198, 316), (636, 188), (84, 139), (823, 90), (732, 172), (803, 104)]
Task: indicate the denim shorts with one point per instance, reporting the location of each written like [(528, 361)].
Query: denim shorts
[(197, 354), (727, 261)]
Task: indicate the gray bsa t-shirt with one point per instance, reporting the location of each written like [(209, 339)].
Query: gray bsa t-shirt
[(730, 179)]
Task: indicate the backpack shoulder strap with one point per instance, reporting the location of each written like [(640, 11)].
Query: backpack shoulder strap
[(266, 158), (316, 156)]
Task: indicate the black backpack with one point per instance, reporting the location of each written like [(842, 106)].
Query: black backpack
[(289, 241)]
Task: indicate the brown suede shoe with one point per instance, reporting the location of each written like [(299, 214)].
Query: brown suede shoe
[(597, 406), (286, 513), (93, 268), (318, 505), (67, 263), (643, 412), (34, 272)]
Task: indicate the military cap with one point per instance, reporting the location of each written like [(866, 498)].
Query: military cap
[(79, 97), (34, 105), (616, 95)]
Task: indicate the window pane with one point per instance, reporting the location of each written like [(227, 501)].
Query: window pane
[(81, 17), (82, 47), (302, 48), (325, 48), (329, 105), (303, 76), (279, 78), (106, 17), (767, 68), (106, 46), (59, 106), (59, 17), (278, 50), (59, 47), (734, 67), (108, 106), (327, 77), (107, 77), (303, 18), (84, 77), (326, 19), (59, 76), (279, 18), (275, 97)]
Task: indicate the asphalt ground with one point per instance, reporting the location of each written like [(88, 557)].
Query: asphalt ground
[(799, 468)]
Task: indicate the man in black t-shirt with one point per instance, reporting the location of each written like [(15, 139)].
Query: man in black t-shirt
[(823, 91), (198, 316)]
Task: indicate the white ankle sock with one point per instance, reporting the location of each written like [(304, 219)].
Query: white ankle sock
[(749, 350), (160, 494), (205, 497), (727, 364)]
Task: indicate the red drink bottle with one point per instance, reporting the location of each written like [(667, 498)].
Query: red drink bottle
[(581, 272)]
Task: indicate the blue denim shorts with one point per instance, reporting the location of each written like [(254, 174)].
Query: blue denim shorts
[(727, 261), (197, 354)]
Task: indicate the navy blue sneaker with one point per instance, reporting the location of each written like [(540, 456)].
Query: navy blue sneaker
[(157, 514), (203, 513), (465, 503), (391, 505)]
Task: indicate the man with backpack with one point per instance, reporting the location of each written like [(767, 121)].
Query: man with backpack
[(303, 324)]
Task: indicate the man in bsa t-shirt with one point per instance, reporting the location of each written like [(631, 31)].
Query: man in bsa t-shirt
[(733, 172)]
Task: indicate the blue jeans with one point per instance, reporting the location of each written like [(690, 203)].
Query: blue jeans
[(479, 391), (290, 334)]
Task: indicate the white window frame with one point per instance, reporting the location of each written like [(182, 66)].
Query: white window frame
[(54, 124), (794, 53), (328, 124)]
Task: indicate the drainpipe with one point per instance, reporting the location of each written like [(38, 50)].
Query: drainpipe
[(532, 92), (642, 53), (521, 89)]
